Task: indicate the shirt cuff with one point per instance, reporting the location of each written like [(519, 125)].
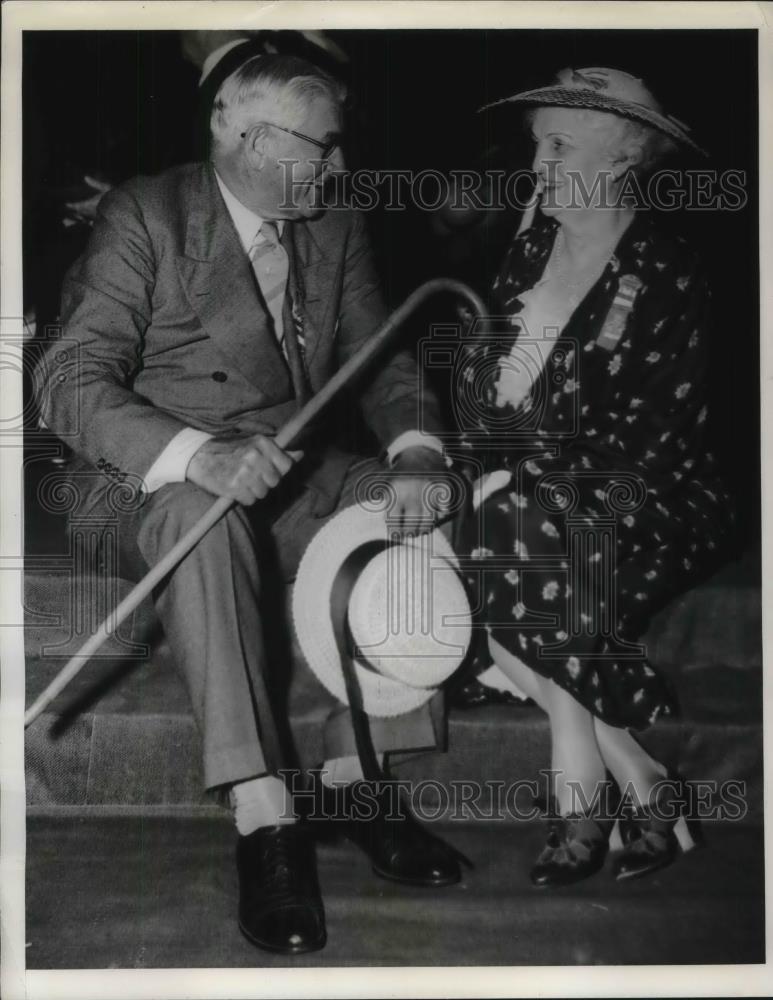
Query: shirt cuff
[(414, 439), (172, 464)]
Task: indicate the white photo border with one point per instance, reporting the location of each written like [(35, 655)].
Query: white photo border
[(623, 981)]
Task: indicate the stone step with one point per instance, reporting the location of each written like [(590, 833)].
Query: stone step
[(138, 745), (123, 732), (716, 623)]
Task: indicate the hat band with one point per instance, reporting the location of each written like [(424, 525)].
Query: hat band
[(341, 591)]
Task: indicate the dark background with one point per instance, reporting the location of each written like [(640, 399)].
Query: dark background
[(114, 104)]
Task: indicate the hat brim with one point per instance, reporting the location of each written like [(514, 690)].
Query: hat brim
[(575, 97), (382, 696)]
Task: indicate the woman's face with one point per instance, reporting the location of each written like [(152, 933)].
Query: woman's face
[(572, 158)]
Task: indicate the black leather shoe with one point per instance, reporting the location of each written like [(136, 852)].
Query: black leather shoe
[(473, 694), (399, 847), (280, 908), (654, 836), (575, 849)]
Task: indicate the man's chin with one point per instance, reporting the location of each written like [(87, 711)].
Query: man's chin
[(307, 205), (312, 210)]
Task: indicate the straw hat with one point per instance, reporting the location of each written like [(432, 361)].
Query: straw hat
[(610, 90), (406, 610)]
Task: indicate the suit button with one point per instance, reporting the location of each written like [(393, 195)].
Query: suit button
[(220, 376)]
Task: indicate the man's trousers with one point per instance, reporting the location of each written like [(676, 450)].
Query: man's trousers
[(224, 611)]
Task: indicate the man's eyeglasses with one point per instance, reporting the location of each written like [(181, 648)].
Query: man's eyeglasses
[(326, 147)]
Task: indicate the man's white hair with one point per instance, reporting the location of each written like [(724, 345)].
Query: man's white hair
[(267, 77)]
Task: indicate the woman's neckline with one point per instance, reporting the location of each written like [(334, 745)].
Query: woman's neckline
[(616, 251)]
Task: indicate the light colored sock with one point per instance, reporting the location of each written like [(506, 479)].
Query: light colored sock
[(344, 770), (263, 801)]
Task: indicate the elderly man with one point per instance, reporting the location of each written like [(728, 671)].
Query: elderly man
[(211, 301)]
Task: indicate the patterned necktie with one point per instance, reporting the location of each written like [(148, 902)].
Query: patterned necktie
[(271, 266)]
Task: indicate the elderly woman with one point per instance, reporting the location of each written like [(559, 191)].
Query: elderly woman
[(600, 502)]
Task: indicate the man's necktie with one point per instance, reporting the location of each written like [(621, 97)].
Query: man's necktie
[(271, 266)]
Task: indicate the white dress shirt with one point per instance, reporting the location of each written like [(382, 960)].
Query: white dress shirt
[(171, 465)]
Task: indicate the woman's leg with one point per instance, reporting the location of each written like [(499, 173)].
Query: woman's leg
[(632, 767), (522, 676), (577, 762), (575, 752)]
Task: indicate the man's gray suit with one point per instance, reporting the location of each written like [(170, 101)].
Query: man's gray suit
[(171, 332)]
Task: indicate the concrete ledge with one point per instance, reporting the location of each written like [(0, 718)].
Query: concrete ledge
[(123, 732)]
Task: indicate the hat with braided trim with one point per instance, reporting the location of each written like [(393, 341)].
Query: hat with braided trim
[(610, 90)]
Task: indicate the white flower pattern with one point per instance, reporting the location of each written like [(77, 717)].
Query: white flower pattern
[(678, 529)]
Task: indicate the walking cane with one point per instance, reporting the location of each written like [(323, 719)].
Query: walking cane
[(285, 439)]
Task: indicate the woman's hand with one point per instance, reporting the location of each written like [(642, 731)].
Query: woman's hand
[(417, 469)]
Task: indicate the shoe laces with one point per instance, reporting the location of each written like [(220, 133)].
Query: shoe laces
[(282, 857)]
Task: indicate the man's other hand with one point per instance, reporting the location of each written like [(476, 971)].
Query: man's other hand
[(418, 468), (245, 469)]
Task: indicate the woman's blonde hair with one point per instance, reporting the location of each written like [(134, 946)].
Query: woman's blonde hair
[(625, 138)]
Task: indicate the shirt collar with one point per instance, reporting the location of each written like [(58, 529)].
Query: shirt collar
[(246, 222)]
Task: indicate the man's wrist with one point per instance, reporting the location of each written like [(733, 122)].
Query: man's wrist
[(171, 466)]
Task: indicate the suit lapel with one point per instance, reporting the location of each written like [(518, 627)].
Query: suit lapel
[(220, 287)]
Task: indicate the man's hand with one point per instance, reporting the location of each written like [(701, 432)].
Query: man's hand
[(418, 468), (244, 470)]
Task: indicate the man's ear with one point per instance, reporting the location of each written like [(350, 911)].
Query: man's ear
[(256, 143)]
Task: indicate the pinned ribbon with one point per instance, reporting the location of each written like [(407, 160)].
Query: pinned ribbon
[(622, 304)]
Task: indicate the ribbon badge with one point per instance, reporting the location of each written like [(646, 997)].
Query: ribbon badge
[(628, 288)]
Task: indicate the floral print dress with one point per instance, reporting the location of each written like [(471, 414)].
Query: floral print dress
[(606, 503)]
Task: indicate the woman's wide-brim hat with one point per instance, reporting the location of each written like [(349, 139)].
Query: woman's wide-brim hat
[(407, 612), (610, 90)]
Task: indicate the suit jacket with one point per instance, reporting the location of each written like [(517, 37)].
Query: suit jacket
[(164, 327)]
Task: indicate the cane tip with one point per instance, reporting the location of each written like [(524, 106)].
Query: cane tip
[(30, 716)]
